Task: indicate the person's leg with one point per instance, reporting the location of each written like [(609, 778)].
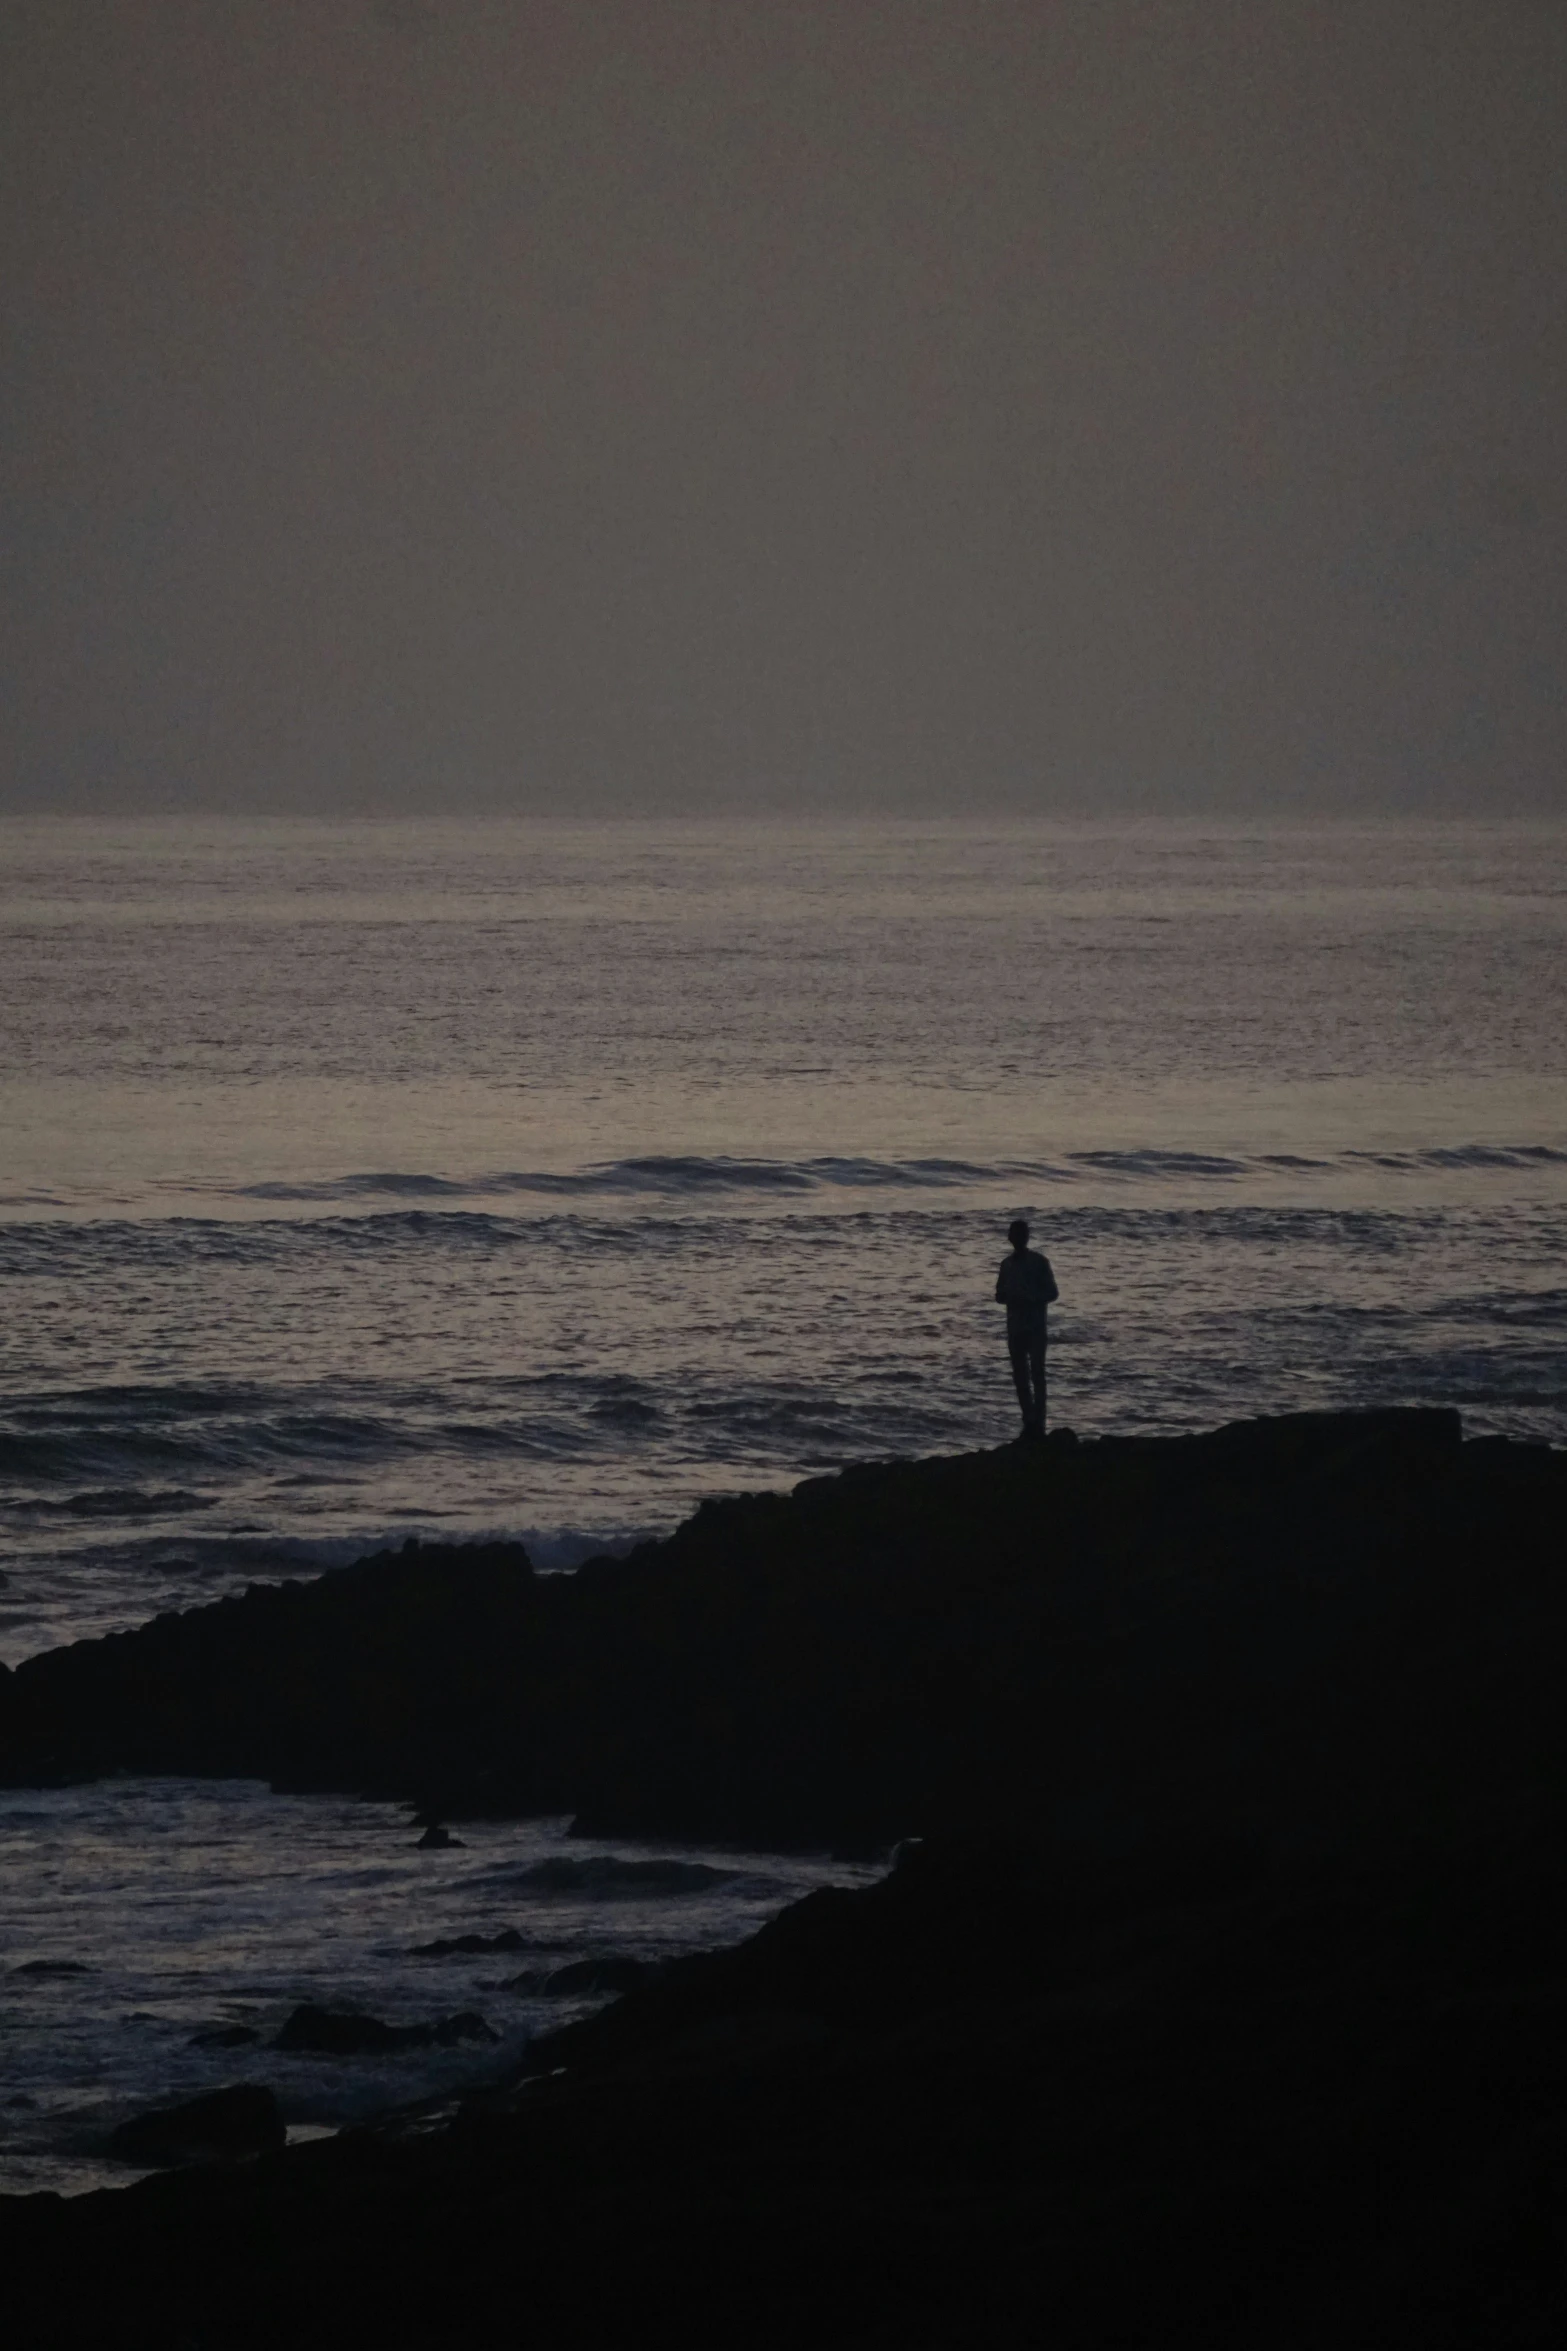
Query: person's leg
[(1018, 1349), (1036, 1367)]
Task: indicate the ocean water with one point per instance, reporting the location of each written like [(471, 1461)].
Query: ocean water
[(139, 1919), (543, 1178)]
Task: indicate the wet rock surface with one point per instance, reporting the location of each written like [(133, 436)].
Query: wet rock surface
[(584, 1978), (341, 2032), (611, 1974)]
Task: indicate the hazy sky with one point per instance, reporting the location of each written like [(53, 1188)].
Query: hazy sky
[(921, 403)]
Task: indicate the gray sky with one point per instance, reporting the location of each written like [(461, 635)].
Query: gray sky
[(898, 403)]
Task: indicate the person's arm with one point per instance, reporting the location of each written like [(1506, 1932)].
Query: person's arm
[(1051, 1292), (1003, 1296)]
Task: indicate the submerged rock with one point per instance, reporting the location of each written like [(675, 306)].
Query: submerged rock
[(219, 2128), (451, 1946), (338, 2032), (611, 1974)]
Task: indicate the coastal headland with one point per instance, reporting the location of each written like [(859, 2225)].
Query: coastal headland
[(1218, 1993)]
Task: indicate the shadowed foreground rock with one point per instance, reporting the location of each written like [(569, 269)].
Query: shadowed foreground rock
[(971, 2105), (1225, 2003), (219, 2128)]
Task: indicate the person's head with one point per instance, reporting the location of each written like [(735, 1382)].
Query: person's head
[(1017, 1234)]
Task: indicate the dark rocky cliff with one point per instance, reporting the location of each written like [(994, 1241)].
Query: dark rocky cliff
[(1225, 2002), (1298, 1636)]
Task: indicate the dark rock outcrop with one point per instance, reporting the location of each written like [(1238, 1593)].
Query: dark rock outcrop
[(974, 2103), (1217, 1998), (219, 2128), (341, 2032), (613, 1973), (390, 1674), (450, 1946), (1324, 1633)]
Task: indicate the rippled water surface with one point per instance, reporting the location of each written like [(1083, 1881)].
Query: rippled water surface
[(543, 1178), (142, 1919)]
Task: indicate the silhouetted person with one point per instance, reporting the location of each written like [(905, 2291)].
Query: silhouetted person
[(1025, 1286)]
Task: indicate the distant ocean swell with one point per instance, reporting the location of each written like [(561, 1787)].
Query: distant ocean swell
[(146, 1246), (692, 1177)]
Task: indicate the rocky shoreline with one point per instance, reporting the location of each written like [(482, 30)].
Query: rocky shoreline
[(1219, 1995)]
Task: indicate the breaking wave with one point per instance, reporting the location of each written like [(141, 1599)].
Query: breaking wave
[(692, 1176), (579, 1366), (678, 1176)]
